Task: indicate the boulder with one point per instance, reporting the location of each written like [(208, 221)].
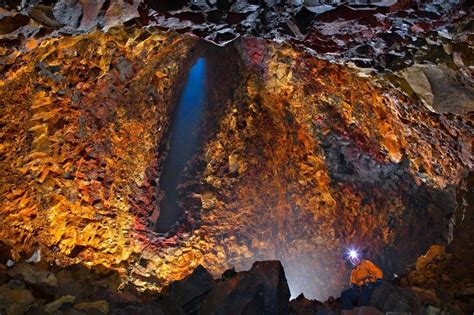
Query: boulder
[(262, 289), (427, 296), (388, 298), (440, 88), (189, 292), (33, 275), (276, 290), (435, 251), (43, 14), (241, 294), (15, 300), (65, 300), (101, 306), (68, 12)]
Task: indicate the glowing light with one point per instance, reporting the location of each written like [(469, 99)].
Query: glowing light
[(353, 254)]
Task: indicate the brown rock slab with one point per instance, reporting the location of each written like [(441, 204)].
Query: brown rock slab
[(442, 89), (33, 275), (60, 302), (15, 300), (100, 305)]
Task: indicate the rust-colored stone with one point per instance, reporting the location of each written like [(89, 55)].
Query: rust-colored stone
[(306, 159)]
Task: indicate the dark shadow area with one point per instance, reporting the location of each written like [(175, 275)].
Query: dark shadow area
[(426, 212), (185, 134), (214, 74)]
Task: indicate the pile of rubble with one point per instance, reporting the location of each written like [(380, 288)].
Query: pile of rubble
[(440, 278), (34, 287)]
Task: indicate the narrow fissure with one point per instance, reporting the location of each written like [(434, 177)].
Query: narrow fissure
[(184, 139)]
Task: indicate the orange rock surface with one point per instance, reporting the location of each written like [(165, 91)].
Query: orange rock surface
[(306, 159)]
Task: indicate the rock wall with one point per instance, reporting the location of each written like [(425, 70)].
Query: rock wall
[(302, 159), (316, 159), (81, 119)]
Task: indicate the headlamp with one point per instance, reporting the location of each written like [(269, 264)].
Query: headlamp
[(353, 254)]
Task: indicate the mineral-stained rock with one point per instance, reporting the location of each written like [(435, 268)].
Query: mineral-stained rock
[(15, 300), (300, 159), (88, 193), (440, 277), (435, 252), (32, 275)]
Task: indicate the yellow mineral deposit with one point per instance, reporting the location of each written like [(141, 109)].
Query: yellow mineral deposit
[(83, 116)]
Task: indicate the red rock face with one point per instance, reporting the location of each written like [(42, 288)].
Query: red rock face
[(301, 160), (81, 118), (316, 160)]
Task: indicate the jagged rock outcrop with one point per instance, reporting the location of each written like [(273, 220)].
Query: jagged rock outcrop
[(261, 290), (301, 158), (36, 288), (78, 290), (381, 35)]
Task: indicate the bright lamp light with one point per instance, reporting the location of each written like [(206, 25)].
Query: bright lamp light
[(353, 254)]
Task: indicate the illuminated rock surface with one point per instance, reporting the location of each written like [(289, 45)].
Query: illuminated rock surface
[(300, 159)]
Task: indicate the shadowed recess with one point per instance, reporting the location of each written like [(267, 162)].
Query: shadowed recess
[(184, 140)]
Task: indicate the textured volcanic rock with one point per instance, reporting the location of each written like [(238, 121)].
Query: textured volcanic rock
[(318, 159), (382, 35), (261, 290), (389, 298), (300, 159), (81, 117), (441, 89), (80, 290), (189, 293)]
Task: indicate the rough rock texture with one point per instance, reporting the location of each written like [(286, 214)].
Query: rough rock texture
[(301, 159), (190, 292), (80, 290), (388, 298), (81, 119), (276, 292), (39, 288), (442, 280), (441, 89), (385, 35), (315, 141)]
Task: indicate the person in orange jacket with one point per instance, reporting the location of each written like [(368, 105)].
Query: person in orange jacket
[(365, 276)]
